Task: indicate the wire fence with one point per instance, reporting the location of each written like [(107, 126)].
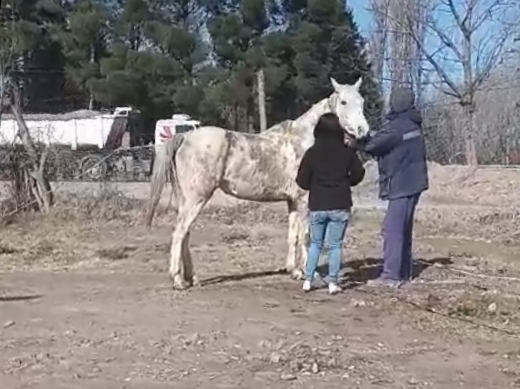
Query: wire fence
[(105, 169), (101, 169)]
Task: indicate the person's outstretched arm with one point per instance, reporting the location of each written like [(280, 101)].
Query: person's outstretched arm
[(357, 171), (304, 176), (383, 141)]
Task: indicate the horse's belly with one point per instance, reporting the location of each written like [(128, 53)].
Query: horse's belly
[(258, 169), (254, 188)]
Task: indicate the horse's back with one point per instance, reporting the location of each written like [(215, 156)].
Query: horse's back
[(204, 136), (259, 167)]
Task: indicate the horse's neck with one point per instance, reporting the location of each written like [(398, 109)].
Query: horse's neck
[(305, 124)]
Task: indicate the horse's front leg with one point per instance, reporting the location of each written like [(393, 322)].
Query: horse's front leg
[(303, 238), (292, 265)]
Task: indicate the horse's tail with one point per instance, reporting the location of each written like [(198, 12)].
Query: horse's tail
[(164, 168)]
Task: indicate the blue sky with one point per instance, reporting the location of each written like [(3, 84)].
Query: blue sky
[(363, 19), (361, 15), (484, 38)]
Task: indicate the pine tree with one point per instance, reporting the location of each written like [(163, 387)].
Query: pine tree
[(30, 53), (327, 44), (152, 59), (236, 28), (84, 43)]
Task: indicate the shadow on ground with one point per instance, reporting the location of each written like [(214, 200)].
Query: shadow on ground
[(7, 299), (240, 277), (363, 270), (359, 271)]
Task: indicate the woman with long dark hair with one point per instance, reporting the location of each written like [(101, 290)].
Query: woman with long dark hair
[(328, 170)]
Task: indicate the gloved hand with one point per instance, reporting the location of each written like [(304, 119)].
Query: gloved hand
[(360, 143)]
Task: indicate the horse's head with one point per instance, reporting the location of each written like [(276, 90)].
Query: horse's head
[(348, 104)]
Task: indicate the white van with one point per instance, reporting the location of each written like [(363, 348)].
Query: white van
[(166, 128)]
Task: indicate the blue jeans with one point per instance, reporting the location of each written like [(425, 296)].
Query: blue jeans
[(326, 227)]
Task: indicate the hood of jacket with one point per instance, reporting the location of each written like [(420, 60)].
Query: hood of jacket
[(402, 102), (329, 136)]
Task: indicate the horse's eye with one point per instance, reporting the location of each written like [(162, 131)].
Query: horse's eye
[(343, 102)]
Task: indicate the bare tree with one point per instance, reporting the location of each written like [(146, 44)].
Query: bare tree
[(401, 51), (418, 12), (378, 41), (30, 184), (397, 57), (472, 36), (407, 33), (497, 122)]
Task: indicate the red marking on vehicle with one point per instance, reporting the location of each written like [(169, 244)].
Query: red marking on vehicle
[(513, 158), (166, 133)]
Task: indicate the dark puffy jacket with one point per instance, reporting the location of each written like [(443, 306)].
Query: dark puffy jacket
[(328, 170), (400, 149)]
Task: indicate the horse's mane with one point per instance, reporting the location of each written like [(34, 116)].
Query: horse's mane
[(287, 126), (284, 126)]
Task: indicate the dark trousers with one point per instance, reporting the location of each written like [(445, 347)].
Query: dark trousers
[(397, 234)]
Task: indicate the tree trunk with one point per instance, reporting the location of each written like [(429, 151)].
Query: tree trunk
[(34, 187), (1, 98), (471, 150), (261, 100), (92, 61)]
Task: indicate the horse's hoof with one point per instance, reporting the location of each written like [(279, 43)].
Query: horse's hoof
[(179, 283), (195, 281), (297, 274)]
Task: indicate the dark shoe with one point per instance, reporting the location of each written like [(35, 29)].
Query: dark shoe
[(385, 283)]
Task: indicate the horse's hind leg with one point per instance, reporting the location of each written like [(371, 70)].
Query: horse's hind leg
[(188, 270), (188, 213)]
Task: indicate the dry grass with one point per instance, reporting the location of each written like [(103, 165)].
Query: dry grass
[(75, 217), (501, 225), (462, 185)]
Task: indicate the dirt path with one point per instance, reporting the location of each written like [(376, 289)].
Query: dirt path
[(102, 330), (87, 304)]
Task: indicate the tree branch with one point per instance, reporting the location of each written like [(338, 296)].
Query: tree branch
[(455, 92)]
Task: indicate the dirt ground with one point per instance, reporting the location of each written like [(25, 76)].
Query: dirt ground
[(85, 302)]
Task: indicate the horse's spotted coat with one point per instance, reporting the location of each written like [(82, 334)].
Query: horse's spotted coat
[(257, 167)]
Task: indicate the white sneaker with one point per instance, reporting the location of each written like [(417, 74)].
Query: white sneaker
[(307, 286), (333, 288)]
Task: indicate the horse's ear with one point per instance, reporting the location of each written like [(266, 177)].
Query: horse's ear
[(358, 83), (336, 85)]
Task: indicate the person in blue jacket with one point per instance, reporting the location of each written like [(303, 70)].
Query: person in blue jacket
[(400, 150)]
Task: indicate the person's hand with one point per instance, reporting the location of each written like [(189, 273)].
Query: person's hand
[(360, 143), (350, 141)]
